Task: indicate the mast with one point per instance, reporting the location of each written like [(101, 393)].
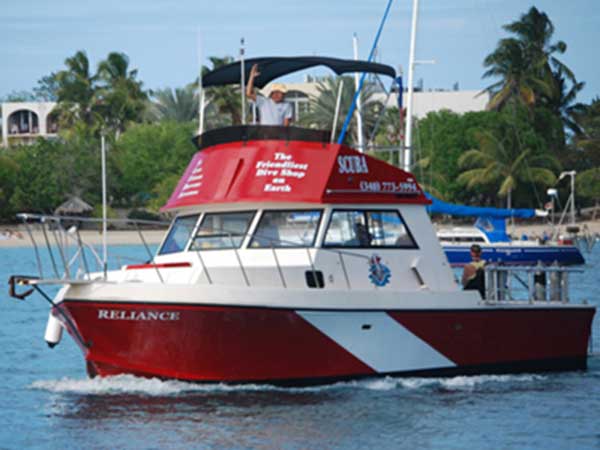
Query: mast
[(362, 78), (571, 200), (409, 102), (359, 122)]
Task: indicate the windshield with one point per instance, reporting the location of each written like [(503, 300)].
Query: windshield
[(179, 235)]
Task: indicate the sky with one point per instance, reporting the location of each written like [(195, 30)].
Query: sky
[(162, 38)]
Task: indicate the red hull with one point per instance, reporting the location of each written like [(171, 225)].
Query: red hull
[(242, 344)]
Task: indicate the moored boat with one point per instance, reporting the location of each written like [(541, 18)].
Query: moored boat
[(489, 232)]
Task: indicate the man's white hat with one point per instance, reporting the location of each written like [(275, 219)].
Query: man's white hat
[(277, 87)]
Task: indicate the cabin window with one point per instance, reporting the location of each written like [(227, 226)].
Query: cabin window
[(368, 229), (222, 230), (279, 229), (179, 234)]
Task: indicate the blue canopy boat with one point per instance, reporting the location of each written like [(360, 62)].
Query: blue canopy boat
[(489, 231)]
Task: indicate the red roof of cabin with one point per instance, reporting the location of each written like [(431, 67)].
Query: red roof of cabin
[(280, 170)]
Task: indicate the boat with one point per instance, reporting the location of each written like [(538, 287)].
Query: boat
[(292, 260), (489, 232)]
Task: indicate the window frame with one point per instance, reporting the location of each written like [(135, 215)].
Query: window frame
[(315, 237), (364, 211), (168, 234), (244, 235)]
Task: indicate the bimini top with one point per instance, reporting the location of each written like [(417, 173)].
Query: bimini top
[(262, 168), (274, 67)]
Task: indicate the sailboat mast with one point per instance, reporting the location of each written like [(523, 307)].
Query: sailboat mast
[(409, 102), (359, 123)]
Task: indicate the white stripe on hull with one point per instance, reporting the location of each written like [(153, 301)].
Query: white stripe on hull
[(377, 340)]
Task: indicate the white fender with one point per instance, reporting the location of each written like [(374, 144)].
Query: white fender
[(54, 331)]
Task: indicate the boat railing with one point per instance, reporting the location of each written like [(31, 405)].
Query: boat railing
[(70, 257), (541, 283), (275, 244)]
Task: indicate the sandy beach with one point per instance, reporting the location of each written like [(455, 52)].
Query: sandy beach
[(17, 236)]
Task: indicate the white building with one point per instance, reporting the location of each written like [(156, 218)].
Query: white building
[(424, 102), (23, 122)]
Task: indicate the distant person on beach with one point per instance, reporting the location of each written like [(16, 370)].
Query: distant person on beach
[(473, 277), (272, 110)]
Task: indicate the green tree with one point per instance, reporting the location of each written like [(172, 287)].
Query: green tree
[(524, 63), (18, 96), (518, 82), (162, 191), (224, 104), (77, 94), (9, 173), (122, 98), (146, 154), (562, 101), (107, 100), (588, 185), (322, 107), (587, 142), (507, 162), (439, 140), (41, 185), (47, 88), (179, 104)]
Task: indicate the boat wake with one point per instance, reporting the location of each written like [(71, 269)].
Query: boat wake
[(129, 384), (459, 383)]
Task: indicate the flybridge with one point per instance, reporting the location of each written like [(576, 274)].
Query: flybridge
[(250, 165)]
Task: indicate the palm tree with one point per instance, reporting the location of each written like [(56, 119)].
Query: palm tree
[(588, 141), (535, 31), (322, 107), (179, 104), (518, 82), (123, 99), (501, 162), (77, 92), (524, 63), (562, 102), (224, 101)]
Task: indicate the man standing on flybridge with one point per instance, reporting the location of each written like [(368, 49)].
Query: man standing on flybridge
[(273, 110)]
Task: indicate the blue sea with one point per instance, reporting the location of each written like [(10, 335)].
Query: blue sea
[(47, 402)]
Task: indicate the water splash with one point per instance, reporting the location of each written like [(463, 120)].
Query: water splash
[(458, 383), (129, 384)]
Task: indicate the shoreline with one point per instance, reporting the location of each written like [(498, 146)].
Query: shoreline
[(17, 236)]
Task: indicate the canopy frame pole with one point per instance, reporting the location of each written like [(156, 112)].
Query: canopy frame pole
[(337, 109), (243, 80), (200, 89)]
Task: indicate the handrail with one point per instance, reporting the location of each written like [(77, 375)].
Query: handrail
[(64, 238), (221, 232), (26, 216), (539, 286), (47, 220)]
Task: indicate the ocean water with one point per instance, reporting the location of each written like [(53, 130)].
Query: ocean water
[(47, 402)]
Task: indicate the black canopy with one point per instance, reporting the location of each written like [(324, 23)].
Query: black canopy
[(275, 67)]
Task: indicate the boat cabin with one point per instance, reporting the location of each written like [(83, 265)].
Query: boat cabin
[(296, 212)]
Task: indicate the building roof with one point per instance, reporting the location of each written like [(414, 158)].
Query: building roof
[(73, 205)]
